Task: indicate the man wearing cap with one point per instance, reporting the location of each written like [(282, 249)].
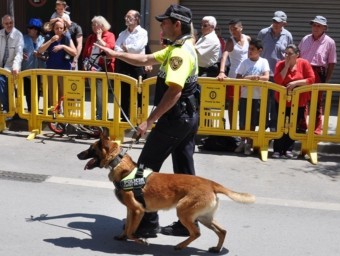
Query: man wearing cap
[(275, 39), (320, 50), (32, 59), (11, 45), (175, 112)]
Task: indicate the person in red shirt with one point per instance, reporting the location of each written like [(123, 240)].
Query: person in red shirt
[(92, 61), (292, 72)]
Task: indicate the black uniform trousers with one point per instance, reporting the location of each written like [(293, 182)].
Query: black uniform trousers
[(173, 135)]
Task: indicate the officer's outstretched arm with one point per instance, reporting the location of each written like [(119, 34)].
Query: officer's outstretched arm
[(131, 58)]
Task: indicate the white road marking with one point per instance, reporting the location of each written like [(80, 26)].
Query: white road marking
[(259, 200), (80, 182)]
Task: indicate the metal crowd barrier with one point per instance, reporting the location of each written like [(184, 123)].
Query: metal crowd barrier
[(213, 115), (77, 109), (310, 140)]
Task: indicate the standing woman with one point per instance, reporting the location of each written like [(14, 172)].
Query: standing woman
[(60, 49), (102, 36), (292, 72), (31, 58)]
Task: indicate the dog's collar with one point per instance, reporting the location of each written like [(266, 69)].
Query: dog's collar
[(117, 159)]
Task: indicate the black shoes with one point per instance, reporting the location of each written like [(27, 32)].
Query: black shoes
[(176, 229), (147, 231), (151, 230)]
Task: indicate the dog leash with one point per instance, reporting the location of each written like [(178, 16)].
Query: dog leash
[(114, 96)]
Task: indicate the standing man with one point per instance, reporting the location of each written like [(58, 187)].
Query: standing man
[(236, 50), (320, 50), (175, 112), (208, 48), (274, 39), (133, 40), (76, 33), (11, 51)]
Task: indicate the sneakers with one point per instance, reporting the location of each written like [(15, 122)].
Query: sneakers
[(289, 154), (244, 147), (240, 147), (176, 229), (247, 149), (276, 155)]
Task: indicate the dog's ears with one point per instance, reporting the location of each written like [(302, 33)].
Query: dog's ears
[(104, 135)]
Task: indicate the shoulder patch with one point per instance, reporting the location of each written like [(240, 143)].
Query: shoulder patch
[(175, 62)]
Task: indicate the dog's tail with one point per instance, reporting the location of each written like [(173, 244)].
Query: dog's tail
[(244, 198)]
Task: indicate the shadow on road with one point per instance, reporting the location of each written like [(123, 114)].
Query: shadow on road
[(100, 230)]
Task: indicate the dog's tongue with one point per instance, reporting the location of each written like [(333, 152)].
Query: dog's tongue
[(90, 164)]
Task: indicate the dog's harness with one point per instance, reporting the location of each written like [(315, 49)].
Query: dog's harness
[(135, 181)]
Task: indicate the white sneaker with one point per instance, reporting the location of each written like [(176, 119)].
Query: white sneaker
[(276, 155), (247, 149), (240, 147)]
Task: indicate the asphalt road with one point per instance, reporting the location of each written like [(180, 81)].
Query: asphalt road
[(50, 206)]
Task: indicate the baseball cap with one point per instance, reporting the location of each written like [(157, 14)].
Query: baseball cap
[(319, 19), (177, 12), (280, 16), (34, 23)]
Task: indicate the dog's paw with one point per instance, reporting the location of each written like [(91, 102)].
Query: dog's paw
[(178, 247), (121, 237), (214, 249), (142, 241)]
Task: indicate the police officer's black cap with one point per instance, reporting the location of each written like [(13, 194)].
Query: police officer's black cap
[(177, 12)]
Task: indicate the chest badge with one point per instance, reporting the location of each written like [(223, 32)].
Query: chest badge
[(175, 63)]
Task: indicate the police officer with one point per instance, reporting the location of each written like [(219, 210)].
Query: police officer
[(176, 116)]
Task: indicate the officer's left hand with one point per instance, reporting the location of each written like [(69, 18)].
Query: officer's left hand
[(142, 128)]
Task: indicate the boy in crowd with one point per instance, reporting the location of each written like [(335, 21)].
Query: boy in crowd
[(253, 68)]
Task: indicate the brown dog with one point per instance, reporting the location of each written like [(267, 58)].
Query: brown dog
[(195, 198)]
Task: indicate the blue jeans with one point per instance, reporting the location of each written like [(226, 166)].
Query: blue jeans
[(4, 92)]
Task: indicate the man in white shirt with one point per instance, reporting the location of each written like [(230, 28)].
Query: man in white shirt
[(132, 40), (208, 48), (11, 54)]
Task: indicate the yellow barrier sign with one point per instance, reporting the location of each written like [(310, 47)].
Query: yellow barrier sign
[(74, 96), (213, 96)]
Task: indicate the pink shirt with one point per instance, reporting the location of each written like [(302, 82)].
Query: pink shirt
[(319, 52)]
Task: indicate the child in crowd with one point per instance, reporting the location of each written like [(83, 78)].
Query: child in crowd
[(253, 68), (60, 12)]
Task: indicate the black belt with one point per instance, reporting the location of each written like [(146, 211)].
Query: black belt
[(321, 71), (186, 105)]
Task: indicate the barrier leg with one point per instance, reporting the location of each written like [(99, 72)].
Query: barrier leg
[(313, 154), (264, 153)]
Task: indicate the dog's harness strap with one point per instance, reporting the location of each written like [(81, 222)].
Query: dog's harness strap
[(137, 191), (135, 182)]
